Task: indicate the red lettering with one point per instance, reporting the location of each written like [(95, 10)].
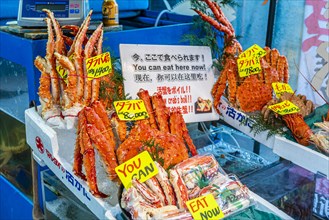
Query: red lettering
[(199, 203), (130, 167)]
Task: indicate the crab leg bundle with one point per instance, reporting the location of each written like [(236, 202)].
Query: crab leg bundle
[(70, 93), (94, 133), (84, 154)]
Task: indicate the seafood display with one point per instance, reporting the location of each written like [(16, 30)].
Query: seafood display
[(164, 135), (64, 85), (249, 93), (192, 178), (295, 122), (94, 130), (70, 99)]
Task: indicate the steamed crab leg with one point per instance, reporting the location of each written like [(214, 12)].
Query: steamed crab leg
[(146, 193), (84, 152), (59, 43), (161, 112), (54, 77), (178, 127), (71, 51), (97, 35), (78, 59), (144, 95), (120, 128), (69, 96), (225, 27), (46, 98), (163, 179), (90, 46), (105, 151)]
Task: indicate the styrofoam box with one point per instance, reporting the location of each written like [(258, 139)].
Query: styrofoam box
[(56, 149), (301, 155), (236, 119)]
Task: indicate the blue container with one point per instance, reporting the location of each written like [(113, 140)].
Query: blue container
[(13, 204)]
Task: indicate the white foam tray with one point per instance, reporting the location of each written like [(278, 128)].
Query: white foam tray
[(57, 154), (54, 148), (234, 118)]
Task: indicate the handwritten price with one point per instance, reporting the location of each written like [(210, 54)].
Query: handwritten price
[(284, 108)]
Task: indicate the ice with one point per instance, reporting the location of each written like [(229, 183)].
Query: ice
[(59, 208)]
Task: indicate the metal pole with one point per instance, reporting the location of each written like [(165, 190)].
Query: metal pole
[(270, 23)]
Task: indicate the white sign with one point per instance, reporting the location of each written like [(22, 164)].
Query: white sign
[(182, 74)]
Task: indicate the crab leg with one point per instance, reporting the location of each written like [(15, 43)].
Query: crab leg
[(78, 152), (180, 188), (70, 91), (59, 43), (161, 112), (120, 127), (219, 87), (232, 73), (105, 151), (90, 46), (178, 127), (54, 77), (168, 190), (155, 186), (78, 58), (89, 163), (98, 34), (144, 95), (222, 24), (46, 98), (146, 193), (71, 51)]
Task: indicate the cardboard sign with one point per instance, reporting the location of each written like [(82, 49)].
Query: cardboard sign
[(99, 65), (182, 74), (280, 88), (205, 207), (131, 110), (141, 167), (284, 108)]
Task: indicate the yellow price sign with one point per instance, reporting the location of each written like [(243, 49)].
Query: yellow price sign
[(249, 66), (99, 66), (63, 72), (131, 110), (205, 207), (141, 167), (279, 88), (253, 51), (284, 108)]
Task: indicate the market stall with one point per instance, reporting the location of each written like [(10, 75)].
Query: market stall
[(142, 128)]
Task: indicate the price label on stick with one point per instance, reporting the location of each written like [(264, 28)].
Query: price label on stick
[(205, 207), (253, 51), (141, 167), (99, 66), (249, 66), (131, 110), (280, 88), (284, 108)]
